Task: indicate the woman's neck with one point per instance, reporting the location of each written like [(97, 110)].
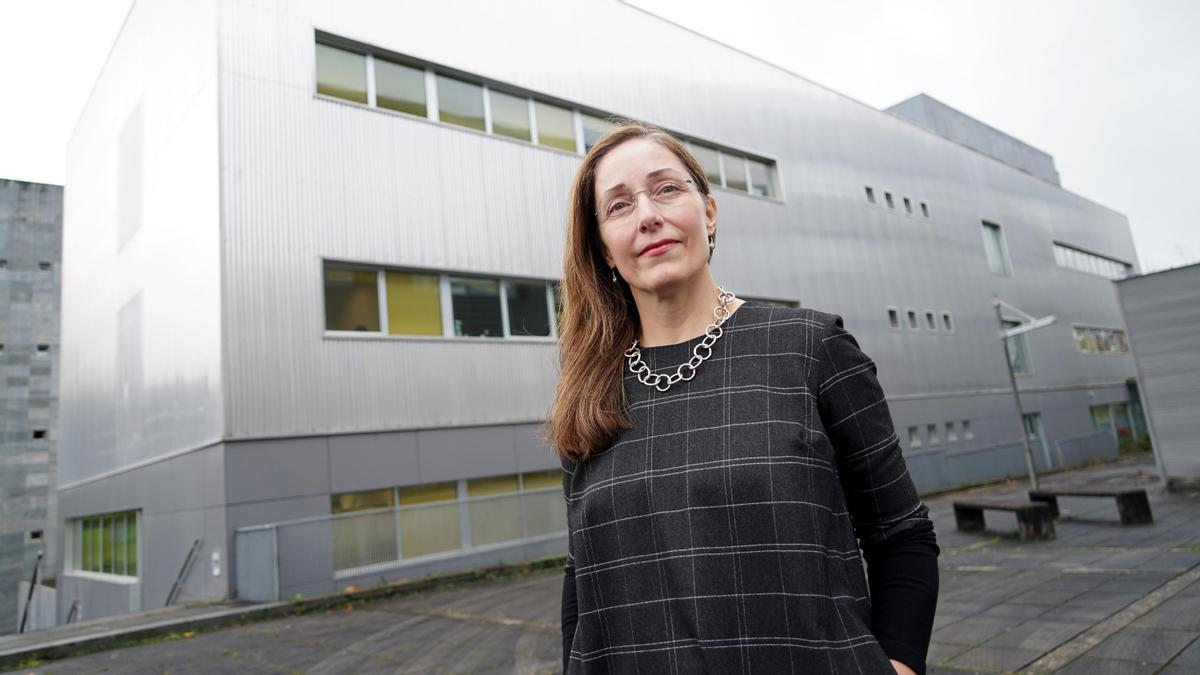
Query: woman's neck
[(678, 315)]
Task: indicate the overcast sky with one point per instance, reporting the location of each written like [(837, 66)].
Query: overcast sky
[(1109, 88)]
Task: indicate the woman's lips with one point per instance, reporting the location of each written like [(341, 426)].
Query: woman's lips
[(661, 248)]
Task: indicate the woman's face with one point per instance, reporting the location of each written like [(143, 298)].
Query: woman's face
[(641, 179)]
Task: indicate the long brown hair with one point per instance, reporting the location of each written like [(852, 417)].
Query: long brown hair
[(599, 318)]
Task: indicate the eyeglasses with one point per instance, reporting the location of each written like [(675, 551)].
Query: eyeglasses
[(621, 207)]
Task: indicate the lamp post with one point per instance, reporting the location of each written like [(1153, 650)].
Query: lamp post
[(1028, 324)]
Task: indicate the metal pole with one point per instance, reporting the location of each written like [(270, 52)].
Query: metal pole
[(29, 598), (1012, 378)]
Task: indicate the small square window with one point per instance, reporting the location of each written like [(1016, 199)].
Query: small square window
[(947, 322), (967, 434), (951, 434), (924, 209), (44, 265), (932, 430), (930, 321), (914, 437), (893, 317), (870, 195), (36, 535), (908, 204), (43, 349), (3, 263), (887, 196), (39, 433), (913, 324)]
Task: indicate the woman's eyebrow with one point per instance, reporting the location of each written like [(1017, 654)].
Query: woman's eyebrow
[(653, 174)]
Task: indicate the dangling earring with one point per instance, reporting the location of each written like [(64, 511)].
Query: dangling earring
[(614, 271), (712, 245)]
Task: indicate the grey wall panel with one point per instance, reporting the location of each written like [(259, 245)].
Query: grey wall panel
[(1162, 311), (372, 461), (276, 469), (141, 220), (532, 452), (467, 452)]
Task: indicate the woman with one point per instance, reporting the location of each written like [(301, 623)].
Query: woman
[(720, 456)]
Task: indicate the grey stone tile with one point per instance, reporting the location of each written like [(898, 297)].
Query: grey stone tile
[(992, 658), (940, 652), (1041, 636), (1189, 657), (970, 631), (1159, 617), (1013, 611), (1086, 665), (1143, 644)]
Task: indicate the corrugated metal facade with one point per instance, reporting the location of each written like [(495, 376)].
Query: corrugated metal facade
[(1162, 311)]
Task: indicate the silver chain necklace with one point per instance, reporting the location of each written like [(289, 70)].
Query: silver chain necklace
[(714, 331)]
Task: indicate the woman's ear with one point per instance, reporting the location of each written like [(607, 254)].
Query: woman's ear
[(710, 214)]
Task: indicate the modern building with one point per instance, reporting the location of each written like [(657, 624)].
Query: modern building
[(30, 253), (1162, 311), (311, 251)]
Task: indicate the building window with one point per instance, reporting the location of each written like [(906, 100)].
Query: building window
[(39, 434), (932, 431), (341, 73), (351, 299), (1079, 260), (760, 178), (908, 205), (460, 103), (735, 172), (414, 303), (870, 195), (951, 434), (924, 209), (369, 536), (1092, 340), (556, 126), (893, 318), (947, 322), (1018, 350), (44, 265), (545, 509), (431, 525), (528, 311), (510, 115), (967, 434), (3, 263), (993, 246), (399, 87), (595, 127), (912, 320), (494, 509), (476, 307), (709, 160), (914, 437), (107, 544), (930, 321), (887, 196)]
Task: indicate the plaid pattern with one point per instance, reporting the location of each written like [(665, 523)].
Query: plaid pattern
[(722, 532)]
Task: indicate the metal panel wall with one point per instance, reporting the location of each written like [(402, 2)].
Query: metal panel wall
[(1163, 314), (141, 268), (306, 178)]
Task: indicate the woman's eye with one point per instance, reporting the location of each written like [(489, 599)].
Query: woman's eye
[(668, 188), (617, 207)]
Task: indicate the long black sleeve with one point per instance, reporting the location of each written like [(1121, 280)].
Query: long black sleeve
[(570, 612), (902, 574)]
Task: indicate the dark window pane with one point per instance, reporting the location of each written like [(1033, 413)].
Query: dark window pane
[(510, 115), (708, 159), (460, 102), (400, 87), (760, 179), (476, 307), (556, 126), (131, 538), (527, 312), (341, 73), (593, 129), (351, 299), (735, 173)]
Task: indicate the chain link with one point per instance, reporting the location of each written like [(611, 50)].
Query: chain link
[(638, 367)]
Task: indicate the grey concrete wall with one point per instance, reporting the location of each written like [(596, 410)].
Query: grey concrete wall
[(1162, 315), (30, 235)]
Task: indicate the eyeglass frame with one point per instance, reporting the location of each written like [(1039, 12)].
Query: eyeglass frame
[(600, 219)]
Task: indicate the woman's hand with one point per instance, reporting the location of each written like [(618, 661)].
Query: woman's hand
[(902, 669)]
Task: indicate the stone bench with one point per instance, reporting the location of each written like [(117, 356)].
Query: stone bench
[(1132, 503), (1034, 520)]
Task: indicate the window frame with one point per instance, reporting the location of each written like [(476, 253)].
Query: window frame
[(1002, 244)]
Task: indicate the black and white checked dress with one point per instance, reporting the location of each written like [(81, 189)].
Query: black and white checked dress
[(718, 534)]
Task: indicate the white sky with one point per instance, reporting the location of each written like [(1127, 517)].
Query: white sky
[(1110, 88)]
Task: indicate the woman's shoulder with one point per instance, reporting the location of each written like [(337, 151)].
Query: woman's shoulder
[(762, 314)]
